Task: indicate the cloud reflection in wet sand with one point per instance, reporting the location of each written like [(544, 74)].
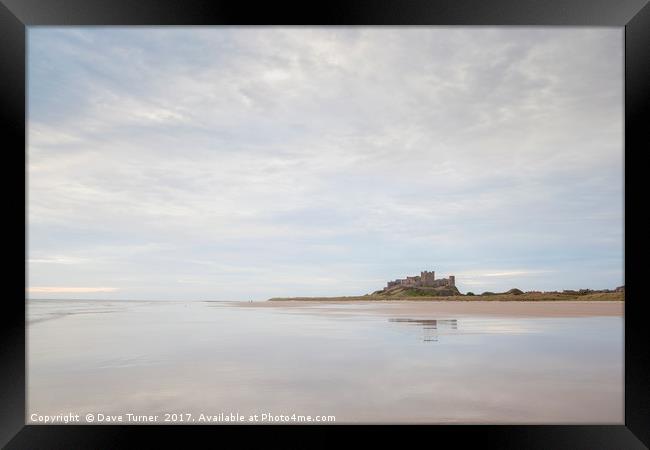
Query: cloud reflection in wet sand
[(360, 364)]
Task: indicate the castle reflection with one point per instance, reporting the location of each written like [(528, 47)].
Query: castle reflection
[(430, 327)]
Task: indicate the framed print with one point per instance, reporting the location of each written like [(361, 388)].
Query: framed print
[(398, 219)]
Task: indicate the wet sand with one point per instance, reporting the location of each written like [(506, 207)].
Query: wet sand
[(419, 308), (362, 362)]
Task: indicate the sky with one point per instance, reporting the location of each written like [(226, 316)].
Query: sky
[(244, 163)]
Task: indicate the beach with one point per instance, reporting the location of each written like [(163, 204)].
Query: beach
[(473, 307), (360, 362)]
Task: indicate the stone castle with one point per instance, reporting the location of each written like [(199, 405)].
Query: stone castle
[(425, 279)]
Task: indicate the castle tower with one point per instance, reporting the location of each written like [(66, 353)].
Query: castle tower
[(427, 278), (452, 280)]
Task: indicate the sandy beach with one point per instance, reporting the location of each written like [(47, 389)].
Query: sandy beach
[(433, 308), (362, 362)]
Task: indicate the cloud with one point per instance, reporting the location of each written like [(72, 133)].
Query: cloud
[(57, 260), (363, 152), (69, 290), (515, 273)]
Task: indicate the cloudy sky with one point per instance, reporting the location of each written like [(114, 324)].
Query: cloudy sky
[(246, 163)]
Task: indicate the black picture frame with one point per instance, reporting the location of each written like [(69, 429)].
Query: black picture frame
[(17, 15)]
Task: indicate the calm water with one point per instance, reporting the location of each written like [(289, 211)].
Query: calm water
[(356, 362)]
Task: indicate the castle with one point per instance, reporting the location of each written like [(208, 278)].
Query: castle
[(425, 279)]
